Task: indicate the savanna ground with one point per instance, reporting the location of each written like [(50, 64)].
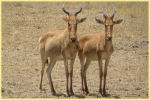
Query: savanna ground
[(24, 22)]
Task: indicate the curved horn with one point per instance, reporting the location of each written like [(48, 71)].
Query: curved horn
[(65, 10), (113, 13), (78, 11), (104, 14)]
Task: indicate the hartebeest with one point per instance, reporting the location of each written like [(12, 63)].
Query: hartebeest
[(60, 45), (97, 47)]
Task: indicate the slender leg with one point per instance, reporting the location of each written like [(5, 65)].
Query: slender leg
[(105, 74), (42, 73), (71, 75), (49, 70), (81, 58), (43, 59), (84, 75), (67, 75), (82, 78), (100, 72)]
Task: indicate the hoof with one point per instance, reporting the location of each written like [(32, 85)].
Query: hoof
[(68, 95), (87, 92), (71, 93), (84, 92), (40, 88), (105, 94), (53, 93), (99, 95)]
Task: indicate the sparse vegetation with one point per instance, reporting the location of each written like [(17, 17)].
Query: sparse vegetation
[(24, 22)]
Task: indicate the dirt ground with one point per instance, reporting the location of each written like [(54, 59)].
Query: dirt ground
[(24, 22)]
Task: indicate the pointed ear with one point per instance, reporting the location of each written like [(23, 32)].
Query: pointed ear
[(65, 18), (81, 20), (99, 21), (118, 21)]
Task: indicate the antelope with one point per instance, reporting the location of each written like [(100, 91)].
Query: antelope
[(60, 45), (97, 47)]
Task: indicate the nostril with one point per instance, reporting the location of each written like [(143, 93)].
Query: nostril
[(109, 38), (73, 39)]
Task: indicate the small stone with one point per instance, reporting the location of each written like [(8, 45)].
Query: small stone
[(138, 88)]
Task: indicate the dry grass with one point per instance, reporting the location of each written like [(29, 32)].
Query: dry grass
[(23, 23)]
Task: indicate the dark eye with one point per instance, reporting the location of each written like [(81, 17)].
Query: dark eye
[(68, 24)]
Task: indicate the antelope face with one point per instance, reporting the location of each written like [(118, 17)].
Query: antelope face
[(73, 21), (108, 23), (108, 27)]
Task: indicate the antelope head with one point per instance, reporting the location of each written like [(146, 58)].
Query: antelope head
[(72, 21), (108, 22)]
